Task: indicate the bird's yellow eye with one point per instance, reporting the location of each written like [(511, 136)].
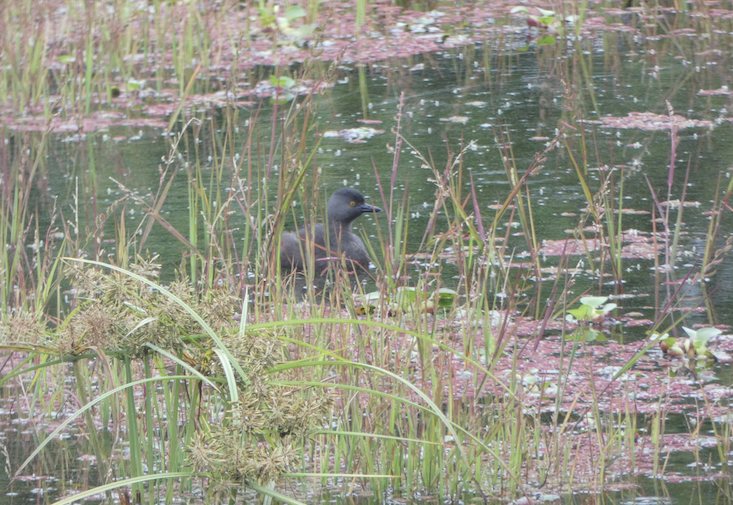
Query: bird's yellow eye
[(352, 203)]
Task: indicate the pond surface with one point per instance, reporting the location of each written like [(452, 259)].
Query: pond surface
[(472, 98), (576, 106)]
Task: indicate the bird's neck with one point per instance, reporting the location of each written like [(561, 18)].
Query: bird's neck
[(339, 228)]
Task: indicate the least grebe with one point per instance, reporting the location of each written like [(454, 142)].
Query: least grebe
[(344, 206)]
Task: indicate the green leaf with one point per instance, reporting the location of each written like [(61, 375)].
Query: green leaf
[(547, 21), (405, 297), (705, 334), (303, 32), (584, 313), (445, 303), (609, 307), (282, 81), (587, 334), (370, 297), (529, 380), (690, 332), (583, 334), (134, 84), (294, 12), (266, 18), (446, 297), (593, 301)]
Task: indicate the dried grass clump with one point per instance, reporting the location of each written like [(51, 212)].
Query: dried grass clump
[(256, 443), (135, 314), (256, 352), (23, 328), (116, 291), (219, 304), (93, 327)]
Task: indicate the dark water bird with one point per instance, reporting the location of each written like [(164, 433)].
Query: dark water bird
[(344, 206)]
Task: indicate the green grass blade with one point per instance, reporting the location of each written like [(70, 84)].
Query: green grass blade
[(120, 483), (89, 406)]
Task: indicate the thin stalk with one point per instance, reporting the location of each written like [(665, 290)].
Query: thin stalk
[(81, 391), (149, 425), (133, 433)]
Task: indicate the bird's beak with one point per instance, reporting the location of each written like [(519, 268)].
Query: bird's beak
[(370, 208)]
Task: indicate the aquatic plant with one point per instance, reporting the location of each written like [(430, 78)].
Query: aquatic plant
[(593, 310), (693, 347)]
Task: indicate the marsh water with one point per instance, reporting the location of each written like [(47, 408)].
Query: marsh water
[(479, 99), (500, 105)]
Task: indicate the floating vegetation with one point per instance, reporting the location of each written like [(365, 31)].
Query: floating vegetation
[(693, 347), (353, 135), (593, 309), (650, 121)]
